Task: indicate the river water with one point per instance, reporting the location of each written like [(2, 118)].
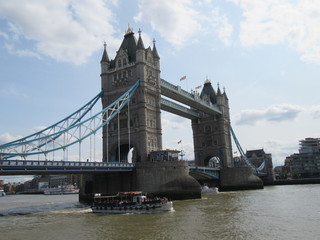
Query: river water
[(276, 212)]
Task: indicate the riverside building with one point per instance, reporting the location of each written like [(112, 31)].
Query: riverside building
[(306, 163)]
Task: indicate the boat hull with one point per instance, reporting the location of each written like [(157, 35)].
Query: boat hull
[(168, 206)]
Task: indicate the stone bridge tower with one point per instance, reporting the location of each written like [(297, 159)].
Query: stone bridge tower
[(142, 118), (211, 134)]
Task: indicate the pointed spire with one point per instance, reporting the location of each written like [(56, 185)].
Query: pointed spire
[(154, 51), (140, 44), (129, 30), (224, 93), (105, 57), (218, 91)]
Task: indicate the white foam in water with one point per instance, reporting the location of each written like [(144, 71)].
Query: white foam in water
[(22, 205)]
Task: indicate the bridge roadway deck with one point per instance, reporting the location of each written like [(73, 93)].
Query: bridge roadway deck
[(191, 99), (204, 172), (31, 167), (38, 167)]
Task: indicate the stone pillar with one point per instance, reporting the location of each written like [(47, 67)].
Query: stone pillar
[(240, 178), (170, 179)]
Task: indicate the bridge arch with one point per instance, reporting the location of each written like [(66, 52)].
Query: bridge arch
[(124, 150)]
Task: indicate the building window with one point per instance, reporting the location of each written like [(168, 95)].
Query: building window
[(124, 62), (119, 63)]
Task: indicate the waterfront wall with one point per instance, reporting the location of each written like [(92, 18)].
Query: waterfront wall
[(296, 181)]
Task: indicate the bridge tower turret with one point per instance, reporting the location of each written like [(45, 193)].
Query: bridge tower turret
[(142, 119), (211, 134)]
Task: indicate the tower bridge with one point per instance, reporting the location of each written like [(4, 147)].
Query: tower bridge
[(132, 100), (191, 99)]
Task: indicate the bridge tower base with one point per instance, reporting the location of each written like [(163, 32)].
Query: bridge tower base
[(169, 179), (163, 179), (240, 178)]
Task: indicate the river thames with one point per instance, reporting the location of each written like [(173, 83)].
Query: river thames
[(276, 212)]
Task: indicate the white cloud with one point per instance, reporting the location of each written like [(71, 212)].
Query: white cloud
[(6, 137), (176, 21), (315, 111), (67, 31), (4, 35), (282, 21), (221, 26), (174, 122), (11, 91), (280, 150), (274, 113), (21, 53)]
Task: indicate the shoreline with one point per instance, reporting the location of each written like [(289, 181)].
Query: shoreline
[(296, 181)]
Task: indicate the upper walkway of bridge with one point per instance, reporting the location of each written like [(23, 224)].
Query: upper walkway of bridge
[(191, 99)]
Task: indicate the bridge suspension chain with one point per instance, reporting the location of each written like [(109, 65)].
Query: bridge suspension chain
[(242, 153), (72, 129)]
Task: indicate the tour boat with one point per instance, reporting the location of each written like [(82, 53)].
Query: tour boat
[(68, 189), (130, 202)]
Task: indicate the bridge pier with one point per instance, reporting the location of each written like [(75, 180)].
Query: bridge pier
[(169, 179), (166, 179), (240, 178), (106, 184)]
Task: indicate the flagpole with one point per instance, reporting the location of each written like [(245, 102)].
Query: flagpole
[(187, 85), (185, 78)]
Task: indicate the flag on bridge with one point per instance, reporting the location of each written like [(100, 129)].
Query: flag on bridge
[(183, 78), (200, 86)]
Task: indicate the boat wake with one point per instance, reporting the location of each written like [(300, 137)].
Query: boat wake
[(54, 208)]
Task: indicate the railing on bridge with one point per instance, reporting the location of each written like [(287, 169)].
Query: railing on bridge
[(29, 167)]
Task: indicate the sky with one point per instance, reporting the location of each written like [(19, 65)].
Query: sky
[(265, 54)]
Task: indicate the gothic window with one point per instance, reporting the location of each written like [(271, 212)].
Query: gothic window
[(119, 63), (129, 73), (124, 62)]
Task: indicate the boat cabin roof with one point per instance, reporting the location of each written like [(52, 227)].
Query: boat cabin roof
[(120, 194)]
